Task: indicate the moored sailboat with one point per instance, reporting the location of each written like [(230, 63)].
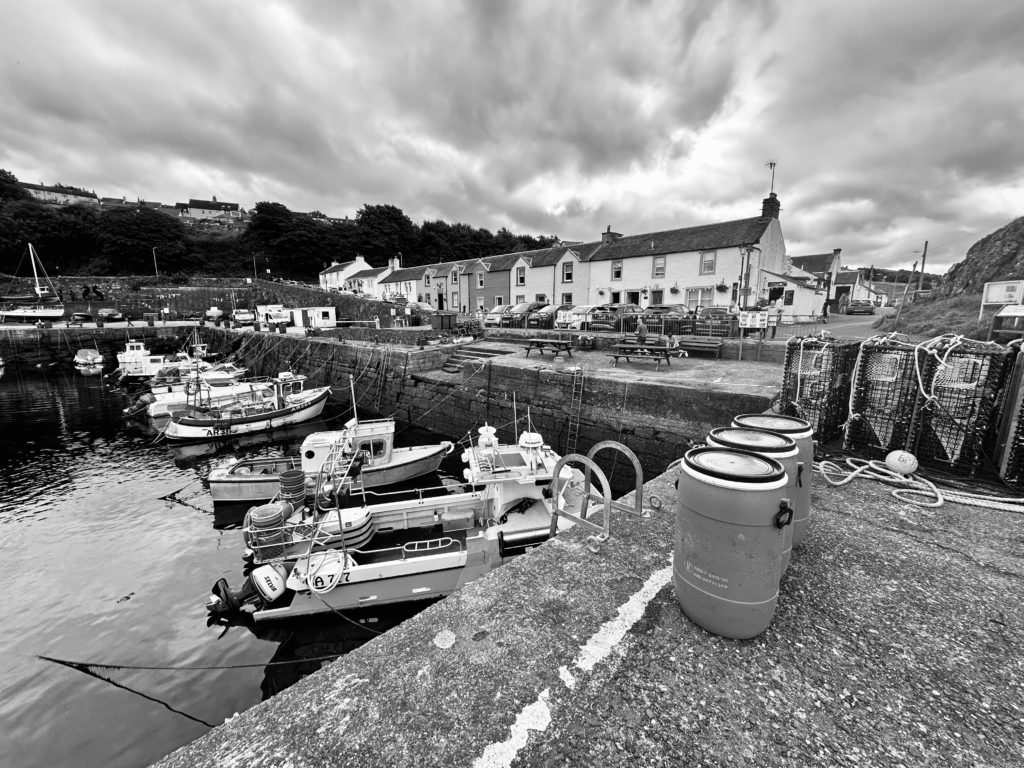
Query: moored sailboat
[(42, 305)]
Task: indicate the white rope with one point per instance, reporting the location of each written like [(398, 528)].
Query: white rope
[(913, 485)]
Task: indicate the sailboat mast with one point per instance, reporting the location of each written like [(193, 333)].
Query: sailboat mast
[(32, 257)]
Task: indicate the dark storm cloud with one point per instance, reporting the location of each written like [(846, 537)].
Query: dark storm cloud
[(891, 123)]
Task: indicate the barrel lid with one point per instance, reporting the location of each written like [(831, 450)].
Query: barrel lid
[(772, 421), (759, 440), (734, 464)]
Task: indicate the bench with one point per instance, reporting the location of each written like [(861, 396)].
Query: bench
[(557, 346), (699, 344), (629, 347)]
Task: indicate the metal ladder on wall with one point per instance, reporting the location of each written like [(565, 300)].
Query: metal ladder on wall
[(385, 359), (575, 406)]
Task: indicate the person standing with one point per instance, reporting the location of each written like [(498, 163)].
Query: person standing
[(824, 312), (777, 320), (641, 333)]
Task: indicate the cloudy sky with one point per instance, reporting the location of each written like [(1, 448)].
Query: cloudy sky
[(891, 123)]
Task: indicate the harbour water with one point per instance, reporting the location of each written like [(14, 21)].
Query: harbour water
[(110, 545)]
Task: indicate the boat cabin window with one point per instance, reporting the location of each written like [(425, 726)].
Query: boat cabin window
[(376, 448)]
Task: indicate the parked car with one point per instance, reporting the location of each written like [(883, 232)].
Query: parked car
[(516, 317), (421, 306), (545, 316), (667, 310), (214, 313), (577, 318), (493, 318), (860, 307), (712, 313), (615, 317), (243, 316)]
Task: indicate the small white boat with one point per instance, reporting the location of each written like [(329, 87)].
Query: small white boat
[(137, 362), (88, 358), (42, 305), (282, 402), (258, 479), (89, 370), (208, 386), (339, 557)]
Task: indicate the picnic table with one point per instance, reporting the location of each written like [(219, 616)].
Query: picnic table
[(557, 346), (655, 352)]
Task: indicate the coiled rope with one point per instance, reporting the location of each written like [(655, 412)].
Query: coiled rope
[(913, 488)]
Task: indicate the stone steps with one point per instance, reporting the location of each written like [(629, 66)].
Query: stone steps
[(468, 352)]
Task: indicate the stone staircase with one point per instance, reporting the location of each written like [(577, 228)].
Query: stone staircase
[(465, 352)]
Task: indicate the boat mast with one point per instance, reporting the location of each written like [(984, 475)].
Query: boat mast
[(352, 387), (32, 257)]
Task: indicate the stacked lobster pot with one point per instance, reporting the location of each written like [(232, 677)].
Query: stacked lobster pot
[(816, 382), (938, 399), (1008, 443)]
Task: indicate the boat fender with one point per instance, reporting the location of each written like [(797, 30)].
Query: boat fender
[(269, 580)]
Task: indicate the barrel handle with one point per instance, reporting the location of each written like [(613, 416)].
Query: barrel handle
[(785, 514)]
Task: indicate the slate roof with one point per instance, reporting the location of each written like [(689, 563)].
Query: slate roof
[(210, 205), (801, 281), (406, 273), (501, 263), (847, 278), (707, 237), (815, 264), (336, 267), (367, 272)]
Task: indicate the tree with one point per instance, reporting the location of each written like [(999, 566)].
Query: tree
[(384, 232), (10, 187)]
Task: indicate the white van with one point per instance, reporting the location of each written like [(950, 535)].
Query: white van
[(577, 318)]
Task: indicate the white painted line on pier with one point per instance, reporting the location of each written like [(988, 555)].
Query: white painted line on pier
[(537, 716)]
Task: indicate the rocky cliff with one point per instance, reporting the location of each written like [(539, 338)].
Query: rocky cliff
[(999, 256)]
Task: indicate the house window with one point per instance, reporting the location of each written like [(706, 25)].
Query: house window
[(521, 299), (480, 303), (566, 298), (455, 300), (325, 315), (657, 297), (540, 297), (707, 262), (659, 267), (455, 278), (520, 275), (479, 279), (498, 301), (567, 272), (699, 297), (787, 298), (617, 269), (426, 280), (616, 297)]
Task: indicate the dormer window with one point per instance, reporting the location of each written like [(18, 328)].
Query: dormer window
[(479, 279)]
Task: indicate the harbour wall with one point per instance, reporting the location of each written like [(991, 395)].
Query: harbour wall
[(657, 420)]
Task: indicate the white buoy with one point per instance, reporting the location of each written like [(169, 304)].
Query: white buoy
[(903, 462)]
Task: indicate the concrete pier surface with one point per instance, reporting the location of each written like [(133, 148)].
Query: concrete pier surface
[(897, 641)]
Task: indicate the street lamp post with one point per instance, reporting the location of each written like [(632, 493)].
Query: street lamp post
[(156, 269)]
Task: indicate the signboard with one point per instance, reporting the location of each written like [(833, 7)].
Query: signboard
[(1002, 292), (753, 319), (1005, 292)]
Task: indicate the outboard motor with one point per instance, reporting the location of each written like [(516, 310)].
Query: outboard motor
[(262, 587)]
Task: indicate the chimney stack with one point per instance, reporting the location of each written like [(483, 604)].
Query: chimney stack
[(770, 206), (609, 236)]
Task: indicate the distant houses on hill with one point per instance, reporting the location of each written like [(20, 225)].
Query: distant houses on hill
[(194, 212)]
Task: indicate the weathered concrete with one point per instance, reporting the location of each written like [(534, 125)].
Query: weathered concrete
[(896, 642)]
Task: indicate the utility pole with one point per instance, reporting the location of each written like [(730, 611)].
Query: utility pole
[(156, 269), (924, 256), (899, 309)]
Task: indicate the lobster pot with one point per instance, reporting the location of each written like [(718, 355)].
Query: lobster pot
[(956, 428), (800, 431), (781, 448), (293, 487), (265, 529), (816, 381), (729, 539), (1009, 442), (885, 397)]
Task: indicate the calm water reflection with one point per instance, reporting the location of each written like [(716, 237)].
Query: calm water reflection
[(102, 564)]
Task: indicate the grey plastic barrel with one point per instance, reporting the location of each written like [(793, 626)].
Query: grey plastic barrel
[(266, 525), (779, 447), (729, 539), (803, 433)]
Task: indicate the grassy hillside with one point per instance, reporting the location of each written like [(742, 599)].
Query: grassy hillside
[(934, 317)]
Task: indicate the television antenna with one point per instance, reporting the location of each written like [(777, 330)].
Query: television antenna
[(771, 164)]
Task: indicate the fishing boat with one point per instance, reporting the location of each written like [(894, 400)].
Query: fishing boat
[(89, 358), (258, 479), (42, 305), (171, 389), (284, 401), (136, 362), (351, 552)]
